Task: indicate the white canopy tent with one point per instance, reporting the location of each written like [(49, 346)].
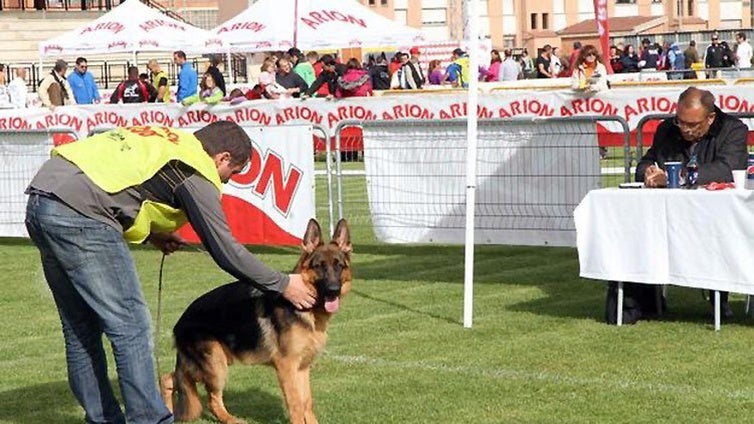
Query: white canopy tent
[(131, 27), (312, 24)]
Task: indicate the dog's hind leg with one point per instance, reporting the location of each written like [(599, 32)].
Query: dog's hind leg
[(215, 377), (188, 406)]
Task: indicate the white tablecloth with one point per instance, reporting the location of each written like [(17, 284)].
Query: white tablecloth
[(690, 238)]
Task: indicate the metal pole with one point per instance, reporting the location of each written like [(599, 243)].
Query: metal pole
[(230, 68), (471, 154), (295, 23)]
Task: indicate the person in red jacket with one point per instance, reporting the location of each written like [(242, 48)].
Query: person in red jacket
[(133, 90), (355, 82), (574, 57)]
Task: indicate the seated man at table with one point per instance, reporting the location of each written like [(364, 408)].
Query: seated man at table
[(700, 129)]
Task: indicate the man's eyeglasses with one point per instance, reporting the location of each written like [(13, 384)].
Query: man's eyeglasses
[(83, 66), (688, 125)]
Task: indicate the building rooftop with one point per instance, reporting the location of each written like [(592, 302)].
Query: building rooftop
[(624, 24)]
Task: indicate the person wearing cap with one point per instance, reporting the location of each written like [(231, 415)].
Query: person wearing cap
[(713, 56), (136, 185), (676, 62), (413, 76), (650, 55), (457, 73)]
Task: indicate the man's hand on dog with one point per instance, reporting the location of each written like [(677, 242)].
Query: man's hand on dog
[(167, 242), (298, 293)]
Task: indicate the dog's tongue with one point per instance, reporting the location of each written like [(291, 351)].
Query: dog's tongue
[(332, 305)]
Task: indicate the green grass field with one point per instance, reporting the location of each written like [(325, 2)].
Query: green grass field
[(398, 352)]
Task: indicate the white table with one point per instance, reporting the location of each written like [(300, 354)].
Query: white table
[(690, 238)]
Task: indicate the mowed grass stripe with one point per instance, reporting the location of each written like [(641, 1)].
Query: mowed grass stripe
[(534, 375)]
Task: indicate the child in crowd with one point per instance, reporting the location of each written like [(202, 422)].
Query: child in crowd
[(267, 83), (435, 72), (208, 93)]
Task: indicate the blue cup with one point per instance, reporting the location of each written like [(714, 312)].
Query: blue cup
[(673, 170)]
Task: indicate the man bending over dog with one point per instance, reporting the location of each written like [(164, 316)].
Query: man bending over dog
[(137, 184)]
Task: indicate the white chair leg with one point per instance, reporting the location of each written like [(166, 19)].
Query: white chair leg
[(619, 315)]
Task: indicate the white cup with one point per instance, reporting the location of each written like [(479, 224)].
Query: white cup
[(739, 179)]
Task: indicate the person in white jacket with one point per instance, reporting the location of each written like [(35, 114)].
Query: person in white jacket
[(743, 51), (18, 90), (589, 74)]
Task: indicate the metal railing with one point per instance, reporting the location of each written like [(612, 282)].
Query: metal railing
[(702, 38), (73, 5), (662, 116), (108, 74), (532, 172), (64, 5), (23, 152)]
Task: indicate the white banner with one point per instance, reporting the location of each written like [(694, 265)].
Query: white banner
[(269, 202), (627, 103)]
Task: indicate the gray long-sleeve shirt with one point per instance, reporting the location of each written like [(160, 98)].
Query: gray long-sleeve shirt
[(176, 185)]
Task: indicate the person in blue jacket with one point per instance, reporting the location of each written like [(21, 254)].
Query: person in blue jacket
[(187, 76), (82, 83)]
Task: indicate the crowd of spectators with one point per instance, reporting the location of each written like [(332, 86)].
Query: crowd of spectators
[(293, 74)]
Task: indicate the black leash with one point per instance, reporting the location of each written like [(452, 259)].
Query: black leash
[(159, 307), (159, 315)]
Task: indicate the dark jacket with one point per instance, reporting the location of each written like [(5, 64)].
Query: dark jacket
[(719, 152), (325, 77), (133, 91), (380, 77), (630, 63), (651, 55), (292, 80), (713, 58)]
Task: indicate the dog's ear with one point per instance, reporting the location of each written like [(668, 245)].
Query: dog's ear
[(313, 237), (342, 236)]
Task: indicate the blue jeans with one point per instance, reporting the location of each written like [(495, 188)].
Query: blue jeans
[(93, 280)]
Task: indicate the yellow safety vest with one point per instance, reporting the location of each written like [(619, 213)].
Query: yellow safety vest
[(127, 157), (156, 82), (463, 62)]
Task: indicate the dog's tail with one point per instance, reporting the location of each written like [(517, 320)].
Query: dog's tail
[(188, 405)]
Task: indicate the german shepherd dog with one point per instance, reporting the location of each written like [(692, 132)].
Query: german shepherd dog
[(228, 324)]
